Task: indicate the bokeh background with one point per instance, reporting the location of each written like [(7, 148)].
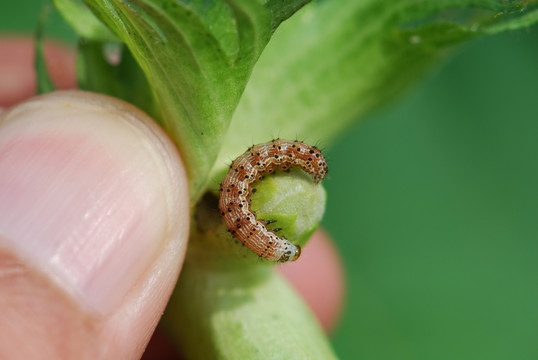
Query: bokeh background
[(433, 202)]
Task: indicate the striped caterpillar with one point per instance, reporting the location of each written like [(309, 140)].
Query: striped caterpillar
[(236, 188)]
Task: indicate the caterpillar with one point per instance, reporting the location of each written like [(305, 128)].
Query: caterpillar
[(236, 187)]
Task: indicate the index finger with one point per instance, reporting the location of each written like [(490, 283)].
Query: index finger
[(17, 68)]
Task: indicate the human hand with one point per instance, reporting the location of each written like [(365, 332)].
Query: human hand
[(94, 214)]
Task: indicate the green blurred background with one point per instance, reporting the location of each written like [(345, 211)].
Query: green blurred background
[(433, 202)]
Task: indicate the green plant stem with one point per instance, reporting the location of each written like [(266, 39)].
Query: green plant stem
[(247, 313), (230, 304)]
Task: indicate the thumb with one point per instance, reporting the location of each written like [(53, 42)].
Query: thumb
[(93, 227)]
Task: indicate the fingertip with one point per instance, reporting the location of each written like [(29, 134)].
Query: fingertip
[(101, 187), (94, 199), (318, 276)]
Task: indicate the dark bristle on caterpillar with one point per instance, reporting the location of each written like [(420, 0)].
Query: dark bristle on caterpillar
[(237, 185)]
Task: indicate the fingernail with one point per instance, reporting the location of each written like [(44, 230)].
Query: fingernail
[(85, 195)]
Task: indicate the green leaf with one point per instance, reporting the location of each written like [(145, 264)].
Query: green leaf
[(335, 61), (197, 57), (525, 20), (109, 68), (83, 21), (294, 201), (44, 82), (282, 10)]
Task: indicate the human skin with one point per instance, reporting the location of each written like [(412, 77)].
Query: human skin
[(52, 292)]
